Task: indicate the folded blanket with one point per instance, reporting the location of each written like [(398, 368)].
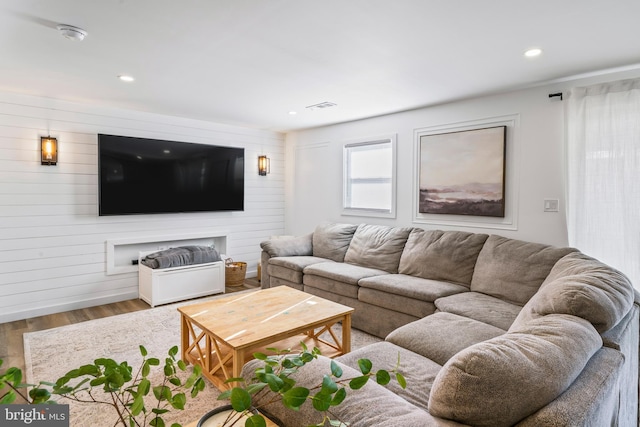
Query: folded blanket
[(184, 255)]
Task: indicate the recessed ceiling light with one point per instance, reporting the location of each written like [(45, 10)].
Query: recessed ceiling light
[(126, 78), (533, 52), (292, 113)]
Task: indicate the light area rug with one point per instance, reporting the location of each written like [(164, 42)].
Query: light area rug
[(51, 353)]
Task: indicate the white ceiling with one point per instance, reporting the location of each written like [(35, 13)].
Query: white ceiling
[(250, 62)]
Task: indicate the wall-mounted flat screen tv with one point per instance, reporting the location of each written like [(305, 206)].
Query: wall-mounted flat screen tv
[(152, 176)]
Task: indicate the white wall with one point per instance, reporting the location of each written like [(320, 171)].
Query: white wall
[(53, 243), (314, 162)]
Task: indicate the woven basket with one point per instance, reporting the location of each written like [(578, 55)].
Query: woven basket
[(234, 272)]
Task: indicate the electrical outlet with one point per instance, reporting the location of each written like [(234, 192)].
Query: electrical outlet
[(551, 205)]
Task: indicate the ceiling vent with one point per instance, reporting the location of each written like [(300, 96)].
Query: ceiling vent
[(321, 105), (72, 33)]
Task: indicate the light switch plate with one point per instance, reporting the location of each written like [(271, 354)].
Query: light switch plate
[(551, 205)]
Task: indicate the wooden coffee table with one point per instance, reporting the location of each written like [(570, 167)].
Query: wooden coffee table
[(222, 335)]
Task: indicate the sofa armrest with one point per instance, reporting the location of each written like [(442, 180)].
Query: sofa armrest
[(289, 246)]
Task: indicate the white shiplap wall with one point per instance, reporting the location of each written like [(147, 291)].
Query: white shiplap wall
[(52, 241)]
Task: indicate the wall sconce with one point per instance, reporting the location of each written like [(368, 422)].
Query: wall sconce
[(49, 150), (264, 165)]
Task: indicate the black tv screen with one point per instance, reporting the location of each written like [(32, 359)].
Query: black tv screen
[(150, 176)]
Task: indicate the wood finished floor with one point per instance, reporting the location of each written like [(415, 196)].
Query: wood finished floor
[(12, 345)]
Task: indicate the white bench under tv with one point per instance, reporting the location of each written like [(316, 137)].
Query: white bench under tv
[(157, 286)]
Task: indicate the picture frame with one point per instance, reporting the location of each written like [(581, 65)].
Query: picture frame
[(463, 172)]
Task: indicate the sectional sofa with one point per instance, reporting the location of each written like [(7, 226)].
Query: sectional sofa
[(490, 331)]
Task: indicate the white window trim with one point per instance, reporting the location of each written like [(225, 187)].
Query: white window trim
[(364, 212)]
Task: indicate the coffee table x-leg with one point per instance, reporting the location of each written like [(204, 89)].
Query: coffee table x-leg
[(221, 345)]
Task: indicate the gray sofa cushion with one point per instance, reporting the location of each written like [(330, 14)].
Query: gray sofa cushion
[(372, 405), (290, 267), (420, 372), (480, 307), (377, 246), (337, 277), (440, 336), (369, 318), (331, 241), (412, 287), (584, 287), (295, 246), (498, 382), (513, 270), (395, 302), (441, 255), (341, 272)]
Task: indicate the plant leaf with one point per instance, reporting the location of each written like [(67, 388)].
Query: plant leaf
[(274, 381), (339, 397), (365, 366), (39, 395), (146, 369), (295, 397), (256, 420), (143, 351), (8, 398), (328, 385), (179, 400), (137, 406), (143, 387), (401, 380), (307, 357), (321, 401), (383, 377), (336, 370), (173, 351), (358, 382), (256, 387), (240, 399)]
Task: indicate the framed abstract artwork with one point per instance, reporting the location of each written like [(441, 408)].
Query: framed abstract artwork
[(463, 172)]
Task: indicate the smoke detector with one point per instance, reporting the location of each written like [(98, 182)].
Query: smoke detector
[(72, 33), (321, 105)]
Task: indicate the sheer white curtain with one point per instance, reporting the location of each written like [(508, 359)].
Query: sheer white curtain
[(603, 173)]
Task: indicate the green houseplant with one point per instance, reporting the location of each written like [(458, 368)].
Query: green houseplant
[(273, 384), (129, 393)]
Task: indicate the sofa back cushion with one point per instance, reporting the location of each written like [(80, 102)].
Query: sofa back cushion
[(505, 379), (581, 286), (291, 246), (377, 246), (513, 270), (331, 241), (441, 255)]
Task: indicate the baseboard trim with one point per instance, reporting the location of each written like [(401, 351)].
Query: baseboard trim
[(66, 306)]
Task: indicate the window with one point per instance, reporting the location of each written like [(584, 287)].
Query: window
[(369, 178)]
